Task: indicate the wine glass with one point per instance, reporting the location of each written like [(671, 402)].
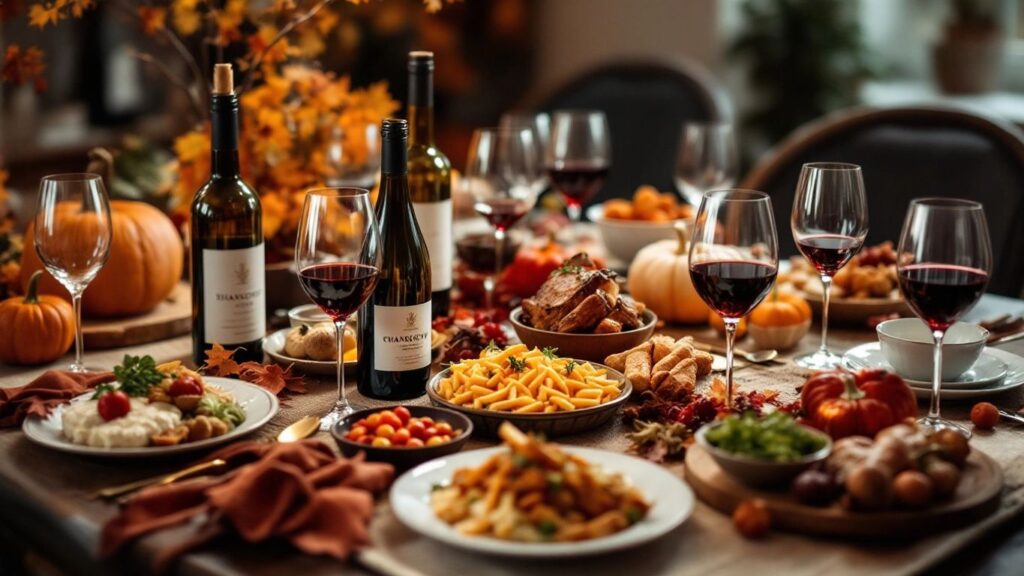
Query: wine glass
[(501, 172), (707, 159), (578, 157), (943, 262), (829, 222), (72, 237), (337, 254), (540, 124), (353, 156), (734, 258)]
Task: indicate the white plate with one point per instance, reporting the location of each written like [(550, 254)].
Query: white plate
[(273, 345), (672, 503), (259, 405), (986, 370), (1013, 376)]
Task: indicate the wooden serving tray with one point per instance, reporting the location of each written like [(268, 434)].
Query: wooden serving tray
[(977, 496), (172, 317)]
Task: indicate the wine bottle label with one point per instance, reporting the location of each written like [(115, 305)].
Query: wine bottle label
[(401, 337), (435, 220), (234, 298)]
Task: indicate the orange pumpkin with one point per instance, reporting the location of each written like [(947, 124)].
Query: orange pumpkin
[(37, 329), (781, 309), (716, 322), (146, 261), (532, 266)]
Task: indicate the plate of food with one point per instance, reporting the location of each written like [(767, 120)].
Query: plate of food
[(313, 349), (867, 286), (154, 410), (533, 499), (536, 390)]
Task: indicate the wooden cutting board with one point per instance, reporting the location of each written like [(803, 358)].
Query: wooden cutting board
[(172, 317), (977, 496)]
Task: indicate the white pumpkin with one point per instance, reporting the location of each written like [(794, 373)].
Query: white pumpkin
[(660, 278)]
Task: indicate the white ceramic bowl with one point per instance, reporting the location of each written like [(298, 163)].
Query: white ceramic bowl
[(308, 314), (907, 346), (624, 238), (778, 337)]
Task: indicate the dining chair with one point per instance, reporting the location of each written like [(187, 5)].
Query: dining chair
[(906, 153), (646, 103)]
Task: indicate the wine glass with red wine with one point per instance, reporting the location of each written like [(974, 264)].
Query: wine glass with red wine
[(829, 222), (734, 258), (578, 157), (943, 263), (501, 175), (337, 255)]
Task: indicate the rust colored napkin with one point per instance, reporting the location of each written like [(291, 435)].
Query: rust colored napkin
[(301, 492), (51, 389)]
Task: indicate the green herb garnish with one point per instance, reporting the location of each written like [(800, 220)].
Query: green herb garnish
[(547, 528), (436, 486), (634, 514), (137, 375), (516, 364), (491, 347), (567, 269), (549, 352), (569, 367), (103, 389), (555, 481), (775, 437)]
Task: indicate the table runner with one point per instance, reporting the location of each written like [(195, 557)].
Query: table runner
[(707, 543)]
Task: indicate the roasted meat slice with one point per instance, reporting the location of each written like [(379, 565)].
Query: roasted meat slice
[(586, 316), (626, 314), (565, 290)]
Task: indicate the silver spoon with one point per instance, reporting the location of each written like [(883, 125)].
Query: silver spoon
[(756, 357)]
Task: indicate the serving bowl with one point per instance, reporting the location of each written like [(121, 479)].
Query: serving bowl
[(624, 238), (758, 473), (551, 424), (591, 347), (307, 314), (402, 457), (907, 346)]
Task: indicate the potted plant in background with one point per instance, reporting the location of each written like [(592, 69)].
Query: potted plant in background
[(968, 58)]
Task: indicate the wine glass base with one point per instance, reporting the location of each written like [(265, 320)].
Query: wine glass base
[(820, 360), (337, 413), (929, 425)]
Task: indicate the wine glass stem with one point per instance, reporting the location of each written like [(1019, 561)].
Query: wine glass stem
[(730, 338), (499, 251), (826, 295), (339, 327), (575, 212), (76, 302), (933, 408)]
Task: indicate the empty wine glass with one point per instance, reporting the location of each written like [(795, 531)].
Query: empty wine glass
[(72, 237), (829, 222), (707, 159), (337, 253), (578, 157), (353, 156), (943, 263), (540, 124), (501, 172), (734, 258)]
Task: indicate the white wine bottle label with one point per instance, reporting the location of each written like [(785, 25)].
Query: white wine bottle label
[(234, 297), (435, 220), (401, 337)]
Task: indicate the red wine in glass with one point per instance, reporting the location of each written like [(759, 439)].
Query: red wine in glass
[(578, 183), (732, 287), (339, 289), (829, 252), (478, 252), (939, 293), (502, 213)]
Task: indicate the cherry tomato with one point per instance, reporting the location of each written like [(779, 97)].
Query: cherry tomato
[(417, 430), (427, 421), (445, 438), (430, 432), (365, 439), (357, 431), (389, 417), (443, 428), (401, 436), (414, 443), (185, 386), (403, 414), (385, 431), (362, 423), (381, 442), (435, 441), (985, 415), (113, 405), (373, 420)]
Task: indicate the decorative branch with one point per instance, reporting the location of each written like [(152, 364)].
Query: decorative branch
[(284, 31), (176, 81)]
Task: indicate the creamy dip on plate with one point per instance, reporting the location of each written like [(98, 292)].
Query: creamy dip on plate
[(82, 424)]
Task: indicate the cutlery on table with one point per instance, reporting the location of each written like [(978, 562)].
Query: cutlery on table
[(302, 428), (1011, 416), (116, 491), (1005, 339), (756, 357)]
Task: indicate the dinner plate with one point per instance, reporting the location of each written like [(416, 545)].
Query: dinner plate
[(671, 500), (870, 356), (259, 405), (856, 310), (273, 345)]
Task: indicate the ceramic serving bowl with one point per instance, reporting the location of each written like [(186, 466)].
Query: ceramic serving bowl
[(778, 337), (624, 238), (307, 314), (907, 346), (758, 473), (399, 456), (592, 347)]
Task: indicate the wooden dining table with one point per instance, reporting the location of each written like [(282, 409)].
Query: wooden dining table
[(48, 519)]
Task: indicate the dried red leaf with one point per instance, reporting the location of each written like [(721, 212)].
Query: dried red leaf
[(271, 377)]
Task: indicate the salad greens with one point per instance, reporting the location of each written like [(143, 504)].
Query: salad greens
[(775, 437)]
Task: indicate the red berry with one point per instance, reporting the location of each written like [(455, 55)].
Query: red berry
[(185, 386), (985, 415), (113, 405)]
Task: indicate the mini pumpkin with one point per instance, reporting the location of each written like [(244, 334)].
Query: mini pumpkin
[(36, 328), (660, 278), (781, 321), (716, 322), (532, 266)]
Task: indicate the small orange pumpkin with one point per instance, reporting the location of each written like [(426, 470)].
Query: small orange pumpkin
[(781, 309), (716, 322), (36, 329)]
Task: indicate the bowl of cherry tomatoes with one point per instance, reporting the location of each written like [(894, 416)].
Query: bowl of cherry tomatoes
[(403, 436)]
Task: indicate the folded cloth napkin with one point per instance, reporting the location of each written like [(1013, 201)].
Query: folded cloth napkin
[(300, 491), (38, 397)]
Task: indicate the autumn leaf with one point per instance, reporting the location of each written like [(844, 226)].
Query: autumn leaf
[(78, 7), (152, 19), (272, 377), (220, 362), (24, 66), (39, 14), (185, 16)]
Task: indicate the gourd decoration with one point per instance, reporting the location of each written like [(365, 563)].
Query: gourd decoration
[(660, 278), (532, 266), (145, 265), (843, 404), (36, 328), (780, 321)]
